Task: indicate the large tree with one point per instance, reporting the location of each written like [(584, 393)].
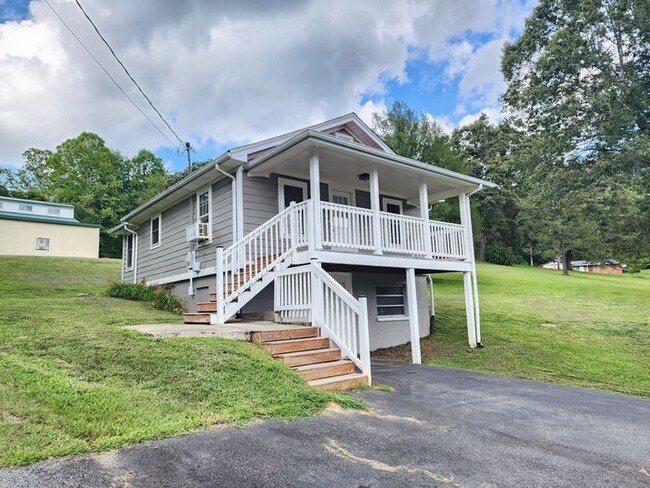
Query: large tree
[(579, 81)]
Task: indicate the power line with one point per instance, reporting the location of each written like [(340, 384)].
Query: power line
[(108, 74), (127, 71)]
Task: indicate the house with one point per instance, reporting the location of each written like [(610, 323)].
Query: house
[(610, 266), (33, 228), (325, 225)]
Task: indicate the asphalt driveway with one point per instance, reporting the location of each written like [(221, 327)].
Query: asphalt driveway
[(440, 427)]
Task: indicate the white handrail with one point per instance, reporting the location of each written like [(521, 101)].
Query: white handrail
[(308, 293), (249, 259), (447, 240)]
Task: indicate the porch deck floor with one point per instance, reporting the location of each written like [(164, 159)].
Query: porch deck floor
[(239, 330)]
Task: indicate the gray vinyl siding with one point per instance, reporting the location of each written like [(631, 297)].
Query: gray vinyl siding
[(261, 198), (169, 258)]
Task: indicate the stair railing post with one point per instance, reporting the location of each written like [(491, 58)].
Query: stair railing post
[(220, 287), (316, 294), (293, 223), (364, 337)]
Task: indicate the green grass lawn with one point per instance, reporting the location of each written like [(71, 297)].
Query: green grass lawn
[(72, 380), (584, 329)]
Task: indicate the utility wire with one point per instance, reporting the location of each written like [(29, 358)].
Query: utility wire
[(127, 72), (108, 74)]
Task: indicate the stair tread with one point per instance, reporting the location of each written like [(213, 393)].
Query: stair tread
[(305, 353), (293, 341), (337, 379), (328, 364)]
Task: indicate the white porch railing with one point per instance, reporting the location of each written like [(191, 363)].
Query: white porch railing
[(345, 227), (447, 240), (309, 293)]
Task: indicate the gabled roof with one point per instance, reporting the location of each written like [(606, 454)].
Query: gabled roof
[(351, 122)]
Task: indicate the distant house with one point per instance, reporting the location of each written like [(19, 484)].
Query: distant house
[(610, 266), (33, 228)]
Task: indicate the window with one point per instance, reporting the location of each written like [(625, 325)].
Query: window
[(203, 207), (42, 244), (130, 247), (155, 231), (53, 211), (390, 301), (25, 207)]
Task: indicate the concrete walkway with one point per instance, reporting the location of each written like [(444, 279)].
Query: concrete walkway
[(440, 427), (239, 330)]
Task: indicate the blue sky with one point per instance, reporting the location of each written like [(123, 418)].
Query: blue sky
[(227, 74)]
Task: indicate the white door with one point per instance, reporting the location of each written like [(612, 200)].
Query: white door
[(340, 222), (393, 206)]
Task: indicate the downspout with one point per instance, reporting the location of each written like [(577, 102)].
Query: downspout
[(135, 251)]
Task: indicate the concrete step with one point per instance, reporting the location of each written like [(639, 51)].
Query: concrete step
[(296, 345), (281, 335), (339, 383), (196, 318), (309, 357), (325, 370)]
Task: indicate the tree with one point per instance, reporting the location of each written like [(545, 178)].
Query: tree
[(490, 152), (579, 81), (417, 136)]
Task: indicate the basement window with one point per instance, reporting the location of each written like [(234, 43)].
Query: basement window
[(390, 302), (42, 244)]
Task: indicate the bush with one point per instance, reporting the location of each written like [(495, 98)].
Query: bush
[(158, 296), (497, 253)]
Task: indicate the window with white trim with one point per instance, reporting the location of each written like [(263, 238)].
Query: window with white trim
[(203, 207), (42, 244), (155, 231), (129, 254), (390, 301), (53, 211), (25, 207)]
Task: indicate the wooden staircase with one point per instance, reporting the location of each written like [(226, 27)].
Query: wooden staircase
[(204, 309), (312, 357)]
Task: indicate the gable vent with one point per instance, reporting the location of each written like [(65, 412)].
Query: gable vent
[(344, 135)]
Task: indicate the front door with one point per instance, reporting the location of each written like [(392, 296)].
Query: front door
[(340, 221)]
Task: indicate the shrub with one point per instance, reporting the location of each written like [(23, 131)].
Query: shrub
[(158, 296), (497, 253)]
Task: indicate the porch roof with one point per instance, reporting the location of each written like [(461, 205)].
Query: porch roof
[(344, 161)]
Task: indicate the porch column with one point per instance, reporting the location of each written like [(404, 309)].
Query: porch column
[(414, 323), (469, 309), (374, 205), (314, 188), (466, 221), (424, 215)]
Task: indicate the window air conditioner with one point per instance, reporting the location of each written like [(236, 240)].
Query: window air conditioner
[(197, 232)]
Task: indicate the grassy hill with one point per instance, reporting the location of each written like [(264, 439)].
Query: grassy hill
[(72, 380), (584, 329)]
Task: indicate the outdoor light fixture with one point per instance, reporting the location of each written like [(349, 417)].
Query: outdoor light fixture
[(364, 176)]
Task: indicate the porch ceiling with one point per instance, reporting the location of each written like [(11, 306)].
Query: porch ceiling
[(343, 165)]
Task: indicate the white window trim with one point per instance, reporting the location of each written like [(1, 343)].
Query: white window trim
[(392, 318), (286, 181), (351, 191), (207, 190), (45, 239), (151, 244), (126, 252), (386, 201)]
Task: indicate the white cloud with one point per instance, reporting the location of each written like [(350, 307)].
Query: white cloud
[(227, 72)]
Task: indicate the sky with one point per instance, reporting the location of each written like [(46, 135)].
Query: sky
[(224, 73)]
